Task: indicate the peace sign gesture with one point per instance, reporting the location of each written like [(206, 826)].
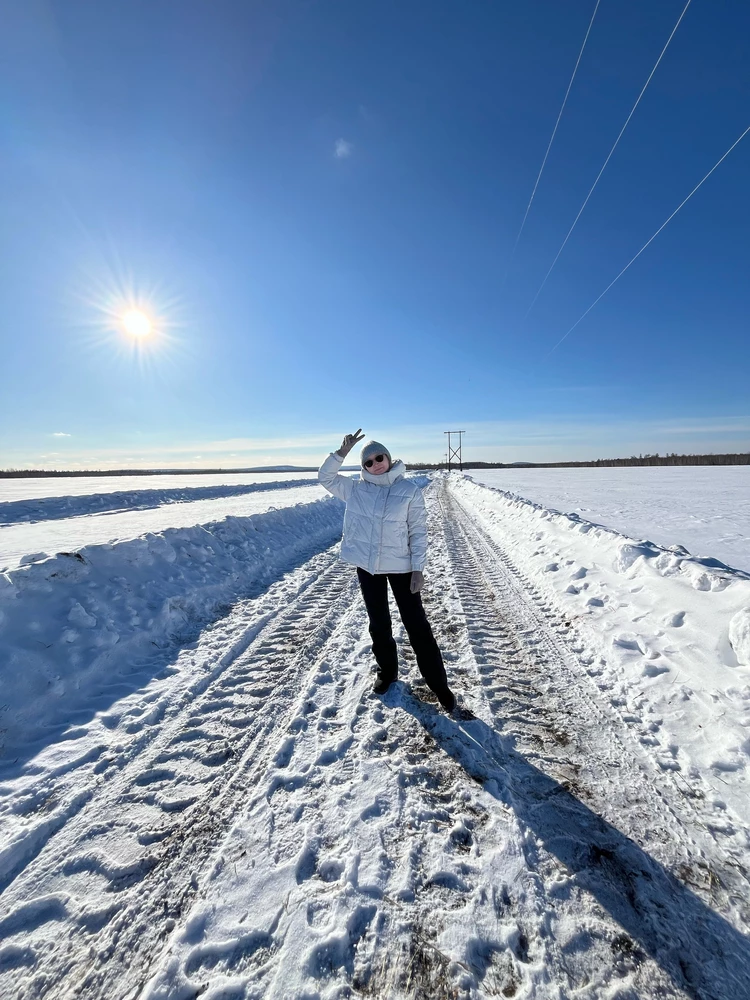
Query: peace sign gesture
[(349, 441)]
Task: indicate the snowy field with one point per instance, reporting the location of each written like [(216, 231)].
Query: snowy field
[(77, 486), (201, 797), (47, 508), (704, 508)]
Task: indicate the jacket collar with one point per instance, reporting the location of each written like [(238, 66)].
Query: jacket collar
[(388, 478)]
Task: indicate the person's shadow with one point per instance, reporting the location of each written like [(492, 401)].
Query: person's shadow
[(701, 952)]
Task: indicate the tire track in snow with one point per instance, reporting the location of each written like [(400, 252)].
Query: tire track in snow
[(544, 711), (691, 795), (725, 875), (126, 866), (376, 893), (367, 837), (373, 847), (68, 773), (402, 853)]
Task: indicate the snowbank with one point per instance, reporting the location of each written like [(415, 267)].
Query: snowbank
[(21, 544), (55, 507), (664, 635), (704, 508), (79, 622)]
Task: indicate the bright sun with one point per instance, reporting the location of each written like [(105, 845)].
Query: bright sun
[(137, 323)]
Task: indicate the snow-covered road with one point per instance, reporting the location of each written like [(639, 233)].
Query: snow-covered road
[(249, 820)]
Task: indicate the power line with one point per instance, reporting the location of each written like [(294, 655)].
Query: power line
[(552, 139), (609, 157), (648, 242)]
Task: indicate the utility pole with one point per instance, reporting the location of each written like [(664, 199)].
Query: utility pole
[(454, 452)]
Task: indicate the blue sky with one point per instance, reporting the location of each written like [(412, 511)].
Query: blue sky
[(317, 202)]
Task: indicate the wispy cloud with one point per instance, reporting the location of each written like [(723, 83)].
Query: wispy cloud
[(343, 149), (60, 434)]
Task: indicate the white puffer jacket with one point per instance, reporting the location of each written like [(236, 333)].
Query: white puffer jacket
[(385, 524)]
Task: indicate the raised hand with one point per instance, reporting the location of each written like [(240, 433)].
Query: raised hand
[(349, 441)]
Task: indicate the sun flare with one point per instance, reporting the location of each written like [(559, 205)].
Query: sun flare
[(134, 322), (137, 323)]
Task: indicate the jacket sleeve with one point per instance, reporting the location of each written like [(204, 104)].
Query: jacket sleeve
[(328, 476), (417, 522)]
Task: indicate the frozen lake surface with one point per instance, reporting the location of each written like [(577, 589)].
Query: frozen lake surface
[(705, 508)]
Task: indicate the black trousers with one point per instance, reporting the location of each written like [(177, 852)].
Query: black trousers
[(375, 593)]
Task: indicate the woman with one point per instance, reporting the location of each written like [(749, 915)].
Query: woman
[(385, 537)]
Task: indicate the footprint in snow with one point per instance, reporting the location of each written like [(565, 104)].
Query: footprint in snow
[(285, 752), (307, 862), (30, 915), (154, 775), (654, 669), (329, 756), (627, 640), (677, 620), (331, 869), (375, 809)]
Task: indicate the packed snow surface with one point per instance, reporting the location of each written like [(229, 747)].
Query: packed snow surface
[(200, 796), (704, 508)]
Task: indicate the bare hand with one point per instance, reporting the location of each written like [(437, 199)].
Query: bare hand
[(417, 581), (349, 441)]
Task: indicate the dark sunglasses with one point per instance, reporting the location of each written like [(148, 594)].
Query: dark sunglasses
[(371, 461)]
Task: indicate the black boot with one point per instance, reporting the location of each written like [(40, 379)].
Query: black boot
[(447, 699), (382, 683)]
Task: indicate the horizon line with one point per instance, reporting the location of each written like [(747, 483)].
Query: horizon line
[(656, 457)]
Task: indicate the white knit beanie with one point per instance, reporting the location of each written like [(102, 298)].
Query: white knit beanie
[(373, 448)]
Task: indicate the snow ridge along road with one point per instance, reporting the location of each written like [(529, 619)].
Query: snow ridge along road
[(257, 824), (28, 511), (103, 618)]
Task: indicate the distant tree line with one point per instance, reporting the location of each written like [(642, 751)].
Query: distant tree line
[(742, 458), (635, 460), (51, 473)]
